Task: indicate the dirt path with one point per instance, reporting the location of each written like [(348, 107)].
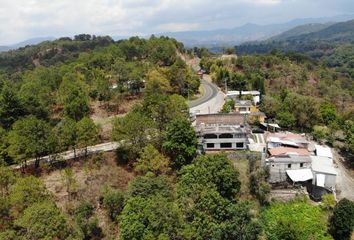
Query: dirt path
[(345, 179)]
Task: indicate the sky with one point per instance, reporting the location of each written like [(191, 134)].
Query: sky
[(24, 19)]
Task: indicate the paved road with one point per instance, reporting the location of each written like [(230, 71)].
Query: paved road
[(210, 91), (212, 100), (68, 155)]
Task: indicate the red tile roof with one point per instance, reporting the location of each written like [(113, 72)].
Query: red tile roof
[(288, 151)]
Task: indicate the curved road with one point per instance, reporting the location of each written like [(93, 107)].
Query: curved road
[(210, 92), (212, 100)]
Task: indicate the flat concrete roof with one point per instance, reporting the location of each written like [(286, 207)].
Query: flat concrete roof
[(221, 119), (323, 165), (219, 129), (289, 159)]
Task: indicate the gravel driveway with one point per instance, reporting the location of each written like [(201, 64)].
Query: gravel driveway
[(345, 179)]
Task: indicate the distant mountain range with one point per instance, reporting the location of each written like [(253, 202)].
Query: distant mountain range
[(302, 29), (230, 37), (339, 32), (252, 32), (316, 40), (32, 41)]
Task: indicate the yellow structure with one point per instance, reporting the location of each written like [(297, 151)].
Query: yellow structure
[(246, 107)]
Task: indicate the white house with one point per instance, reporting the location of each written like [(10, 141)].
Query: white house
[(324, 172), (281, 167), (222, 131), (256, 95)]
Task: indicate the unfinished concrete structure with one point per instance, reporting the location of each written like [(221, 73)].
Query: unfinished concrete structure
[(324, 173), (292, 157), (279, 165), (222, 131)]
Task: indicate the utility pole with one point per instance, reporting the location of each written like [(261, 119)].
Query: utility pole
[(225, 79)]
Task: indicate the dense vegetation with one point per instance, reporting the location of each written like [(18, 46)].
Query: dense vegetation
[(298, 92), (171, 193), (47, 90), (332, 45)]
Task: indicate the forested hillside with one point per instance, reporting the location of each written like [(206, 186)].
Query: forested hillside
[(155, 185), (302, 29), (44, 87), (298, 92), (332, 45)]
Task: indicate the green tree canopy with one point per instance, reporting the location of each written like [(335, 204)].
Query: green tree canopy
[(212, 171), (328, 113), (295, 220), (341, 223), (151, 161), (150, 218), (150, 185), (30, 138), (114, 202), (11, 106), (73, 94), (45, 221), (66, 131), (27, 191), (162, 108), (180, 142), (87, 133), (135, 130)]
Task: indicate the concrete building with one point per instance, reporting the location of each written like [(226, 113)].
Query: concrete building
[(292, 157), (256, 95), (280, 167), (281, 151), (287, 139), (222, 131), (324, 172), (243, 106), (246, 107)]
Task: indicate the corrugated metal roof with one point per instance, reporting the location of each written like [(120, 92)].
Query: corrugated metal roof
[(300, 175), (221, 118), (288, 151), (323, 165), (323, 151)]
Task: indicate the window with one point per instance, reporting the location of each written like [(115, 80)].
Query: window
[(210, 145), (239, 145), (289, 165), (210, 136), (226, 135), (301, 164), (239, 135), (273, 165), (226, 145)]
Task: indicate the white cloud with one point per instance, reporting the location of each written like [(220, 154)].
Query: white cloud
[(22, 19), (176, 27), (267, 2)]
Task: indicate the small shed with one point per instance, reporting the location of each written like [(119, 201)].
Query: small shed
[(324, 172), (323, 151)]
